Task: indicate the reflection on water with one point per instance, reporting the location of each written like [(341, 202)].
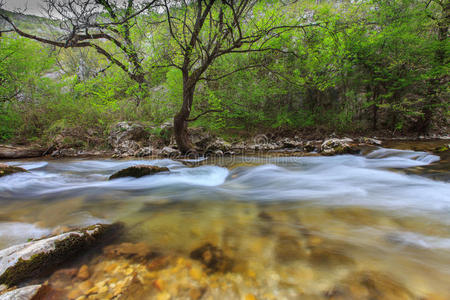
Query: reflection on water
[(342, 227)]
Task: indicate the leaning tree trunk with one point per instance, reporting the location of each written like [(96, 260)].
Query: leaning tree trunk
[(180, 121)]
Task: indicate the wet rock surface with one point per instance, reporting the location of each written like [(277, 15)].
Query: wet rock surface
[(138, 171), (38, 257), (31, 292), (8, 170), (338, 146)]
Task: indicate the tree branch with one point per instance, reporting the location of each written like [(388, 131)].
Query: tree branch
[(204, 113), (232, 72)]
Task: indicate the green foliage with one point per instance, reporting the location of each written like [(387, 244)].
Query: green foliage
[(372, 63)]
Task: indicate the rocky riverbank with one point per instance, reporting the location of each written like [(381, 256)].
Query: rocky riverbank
[(128, 139)]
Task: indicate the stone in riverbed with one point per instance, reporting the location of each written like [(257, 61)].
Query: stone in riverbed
[(8, 170), (129, 250), (83, 273), (329, 257), (138, 171), (289, 248), (39, 257), (60, 278), (370, 285), (212, 257)]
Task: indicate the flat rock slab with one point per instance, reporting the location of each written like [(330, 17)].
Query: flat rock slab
[(8, 151), (38, 257), (138, 171), (8, 170)]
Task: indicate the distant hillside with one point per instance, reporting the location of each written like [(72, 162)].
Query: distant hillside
[(29, 23)]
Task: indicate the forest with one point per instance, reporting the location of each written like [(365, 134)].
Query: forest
[(224, 149), (355, 67)]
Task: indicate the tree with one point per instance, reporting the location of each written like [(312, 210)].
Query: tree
[(203, 31), (439, 12), (91, 23)]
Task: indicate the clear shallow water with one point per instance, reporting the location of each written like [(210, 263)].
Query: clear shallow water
[(296, 226)]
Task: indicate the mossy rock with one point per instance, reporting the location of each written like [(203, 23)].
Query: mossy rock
[(441, 149), (8, 170), (39, 257), (138, 171)]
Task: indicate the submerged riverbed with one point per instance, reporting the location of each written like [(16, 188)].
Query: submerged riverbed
[(372, 226)]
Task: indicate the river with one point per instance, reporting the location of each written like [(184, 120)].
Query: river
[(372, 226)]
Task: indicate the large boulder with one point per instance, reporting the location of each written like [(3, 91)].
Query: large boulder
[(8, 170), (39, 257), (8, 151), (127, 138), (336, 146), (138, 171)]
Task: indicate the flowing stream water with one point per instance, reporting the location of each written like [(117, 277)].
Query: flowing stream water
[(373, 226)]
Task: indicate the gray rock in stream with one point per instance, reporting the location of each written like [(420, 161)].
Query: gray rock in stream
[(336, 146), (138, 171), (25, 293), (39, 257)]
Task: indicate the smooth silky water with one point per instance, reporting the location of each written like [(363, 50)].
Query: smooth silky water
[(375, 226)]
